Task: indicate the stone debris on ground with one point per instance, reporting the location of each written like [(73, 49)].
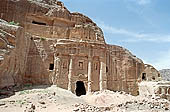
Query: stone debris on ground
[(54, 99), (51, 36)]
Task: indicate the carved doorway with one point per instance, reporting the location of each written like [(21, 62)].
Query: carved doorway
[(143, 76), (80, 88)]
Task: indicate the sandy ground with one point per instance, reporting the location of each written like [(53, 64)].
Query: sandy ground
[(54, 99)]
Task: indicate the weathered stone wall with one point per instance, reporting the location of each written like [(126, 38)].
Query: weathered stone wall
[(35, 72), (123, 70), (13, 61), (163, 91), (74, 61), (155, 88), (18, 10), (54, 46), (150, 74), (19, 59), (52, 19)]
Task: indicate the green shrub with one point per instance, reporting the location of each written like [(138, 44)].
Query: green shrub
[(42, 39), (24, 92), (28, 85), (13, 23)]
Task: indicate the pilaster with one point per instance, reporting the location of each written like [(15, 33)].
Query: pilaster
[(103, 77)]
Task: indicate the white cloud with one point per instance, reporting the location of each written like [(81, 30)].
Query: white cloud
[(134, 36), (140, 2), (143, 2), (162, 61)]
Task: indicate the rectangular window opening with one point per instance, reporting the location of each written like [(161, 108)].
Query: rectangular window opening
[(38, 23), (81, 65)]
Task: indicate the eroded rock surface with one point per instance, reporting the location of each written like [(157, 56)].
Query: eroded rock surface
[(150, 74), (51, 45), (165, 73)]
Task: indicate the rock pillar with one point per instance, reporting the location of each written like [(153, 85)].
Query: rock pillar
[(103, 77), (89, 74), (56, 69), (70, 73)]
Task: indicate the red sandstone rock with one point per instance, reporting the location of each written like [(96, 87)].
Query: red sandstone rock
[(55, 46)]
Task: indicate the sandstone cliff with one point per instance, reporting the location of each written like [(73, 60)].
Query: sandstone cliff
[(54, 46)]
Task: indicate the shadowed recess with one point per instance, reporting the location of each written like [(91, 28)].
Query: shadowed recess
[(80, 89)]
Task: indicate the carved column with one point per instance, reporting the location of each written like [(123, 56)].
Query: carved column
[(89, 74), (163, 90), (56, 69), (70, 73), (103, 77)]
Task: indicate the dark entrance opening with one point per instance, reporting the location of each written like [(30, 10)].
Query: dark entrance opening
[(107, 69), (80, 88), (51, 67), (159, 75), (39, 23), (143, 76)]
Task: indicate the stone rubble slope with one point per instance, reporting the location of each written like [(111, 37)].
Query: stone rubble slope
[(40, 99), (54, 99)]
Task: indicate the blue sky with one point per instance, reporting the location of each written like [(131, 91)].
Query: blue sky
[(141, 26)]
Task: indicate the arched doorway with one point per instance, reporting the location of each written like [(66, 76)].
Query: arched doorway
[(80, 88)]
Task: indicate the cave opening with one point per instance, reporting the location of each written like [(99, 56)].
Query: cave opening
[(80, 88), (143, 76)]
